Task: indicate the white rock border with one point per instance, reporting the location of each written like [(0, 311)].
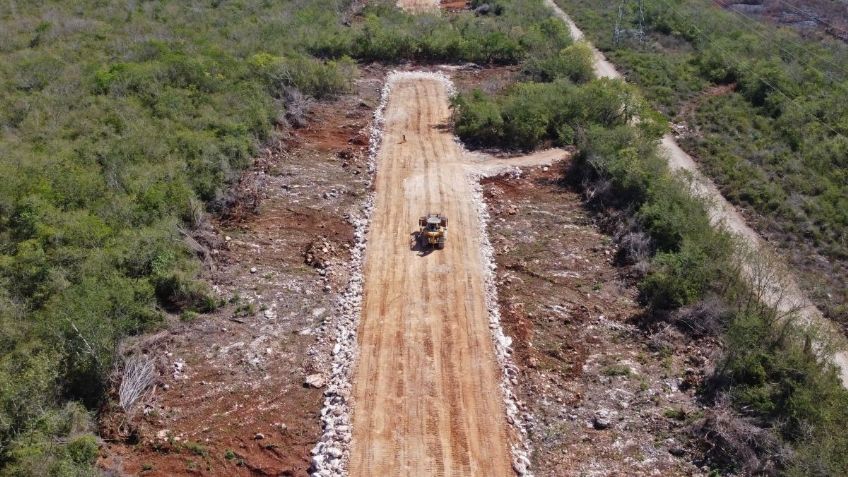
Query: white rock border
[(330, 456), (521, 449), (331, 453)]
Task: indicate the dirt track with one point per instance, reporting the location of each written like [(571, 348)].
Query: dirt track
[(603, 68), (760, 265), (426, 387), (418, 5), (494, 165)]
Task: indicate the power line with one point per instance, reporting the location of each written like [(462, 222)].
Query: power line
[(814, 18), (619, 33), (759, 77), (807, 50)]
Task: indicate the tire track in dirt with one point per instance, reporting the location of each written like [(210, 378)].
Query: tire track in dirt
[(761, 267), (426, 389)]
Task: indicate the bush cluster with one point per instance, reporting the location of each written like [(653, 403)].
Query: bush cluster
[(119, 122), (522, 30), (530, 114), (691, 258)]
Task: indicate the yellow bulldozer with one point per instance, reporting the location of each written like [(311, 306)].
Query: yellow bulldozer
[(432, 231)]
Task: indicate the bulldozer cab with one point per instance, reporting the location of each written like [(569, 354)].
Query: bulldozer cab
[(433, 222), (432, 230)]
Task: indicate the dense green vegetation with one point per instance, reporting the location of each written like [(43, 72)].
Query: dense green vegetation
[(556, 96), (520, 31), (532, 113), (789, 404), (776, 141), (119, 122), (772, 376)]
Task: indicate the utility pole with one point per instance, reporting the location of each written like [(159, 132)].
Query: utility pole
[(617, 32), (620, 31)]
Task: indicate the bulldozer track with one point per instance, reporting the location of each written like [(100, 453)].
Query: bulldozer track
[(426, 395)]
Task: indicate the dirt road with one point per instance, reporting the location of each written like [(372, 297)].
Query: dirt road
[(784, 293), (426, 389), (488, 165), (603, 68), (418, 6)]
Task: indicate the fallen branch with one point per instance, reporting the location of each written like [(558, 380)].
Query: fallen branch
[(138, 375)]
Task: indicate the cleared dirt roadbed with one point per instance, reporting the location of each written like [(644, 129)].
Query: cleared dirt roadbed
[(426, 387), (417, 6)]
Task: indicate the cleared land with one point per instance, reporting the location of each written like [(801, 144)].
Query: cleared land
[(573, 314), (426, 387), (418, 5), (239, 372)]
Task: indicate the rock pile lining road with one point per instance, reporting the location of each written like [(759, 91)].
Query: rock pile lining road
[(521, 449), (330, 455)]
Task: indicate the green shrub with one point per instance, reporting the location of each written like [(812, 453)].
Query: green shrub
[(320, 79), (616, 370), (671, 214), (772, 372), (58, 444), (677, 414), (526, 121), (529, 114), (759, 81), (28, 379), (83, 449), (683, 277), (478, 119), (197, 449), (574, 63), (188, 316), (546, 36), (714, 67), (180, 292), (622, 156)]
